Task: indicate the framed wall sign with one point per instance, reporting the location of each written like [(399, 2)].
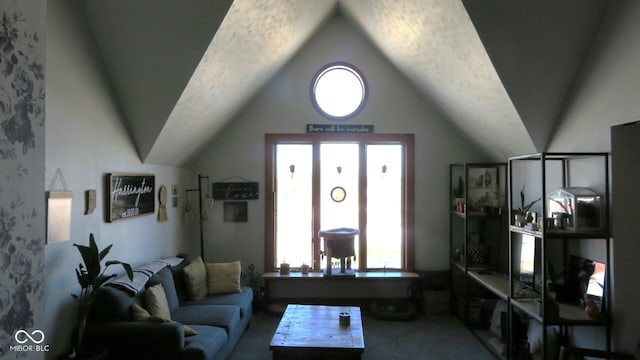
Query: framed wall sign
[(236, 211), (130, 195), (235, 190)]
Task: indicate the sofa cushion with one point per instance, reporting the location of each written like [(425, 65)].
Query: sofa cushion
[(165, 277), (196, 279), (156, 302), (141, 314), (223, 278), (242, 299), (209, 341), (224, 316)]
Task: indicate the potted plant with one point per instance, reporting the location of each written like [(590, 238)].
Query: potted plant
[(91, 276), (521, 213), (254, 280)]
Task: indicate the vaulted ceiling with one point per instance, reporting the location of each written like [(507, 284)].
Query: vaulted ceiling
[(502, 70)]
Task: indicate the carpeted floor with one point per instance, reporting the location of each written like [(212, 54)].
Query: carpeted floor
[(426, 337)]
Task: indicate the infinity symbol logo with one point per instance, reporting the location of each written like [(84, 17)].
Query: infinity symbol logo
[(23, 340)]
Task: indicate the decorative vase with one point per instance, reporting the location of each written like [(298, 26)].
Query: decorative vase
[(304, 269), (284, 269), (520, 220)]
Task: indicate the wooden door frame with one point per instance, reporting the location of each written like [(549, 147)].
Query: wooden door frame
[(408, 224)]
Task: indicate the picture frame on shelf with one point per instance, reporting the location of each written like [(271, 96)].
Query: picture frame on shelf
[(483, 188)]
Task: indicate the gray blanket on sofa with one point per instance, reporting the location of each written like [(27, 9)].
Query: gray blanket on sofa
[(142, 274)]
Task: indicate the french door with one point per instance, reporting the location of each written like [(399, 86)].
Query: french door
[(317, 182)]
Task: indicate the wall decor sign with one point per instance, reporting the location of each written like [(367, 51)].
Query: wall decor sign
[(347, 129), (58, 215), (130, 195), (58, 210), (235, 211), (235, 190)]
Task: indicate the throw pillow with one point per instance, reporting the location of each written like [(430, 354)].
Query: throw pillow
[(141, 314), (223, 278), (196, 279), (156, 301)]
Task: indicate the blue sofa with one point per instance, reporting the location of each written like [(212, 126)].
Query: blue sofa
[(219, 321)]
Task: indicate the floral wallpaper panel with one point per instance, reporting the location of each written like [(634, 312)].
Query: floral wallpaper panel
[(22, 101)]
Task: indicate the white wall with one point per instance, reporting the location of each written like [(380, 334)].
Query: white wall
[(605, 95), (284, 106), (86, 139), (605, 92)]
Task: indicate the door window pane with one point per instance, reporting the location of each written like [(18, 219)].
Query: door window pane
[(384, 206), (339, 168), (293, 204)]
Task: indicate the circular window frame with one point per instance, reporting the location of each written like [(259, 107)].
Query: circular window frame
[(332, 66)]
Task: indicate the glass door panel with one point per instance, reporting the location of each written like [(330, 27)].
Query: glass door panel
[(293, 208), (384, 206), (339, 193)]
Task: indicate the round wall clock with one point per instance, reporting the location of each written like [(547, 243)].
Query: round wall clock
[(338, 194)]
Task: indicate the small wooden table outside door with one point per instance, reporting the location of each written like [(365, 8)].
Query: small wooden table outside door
[(314, 332)]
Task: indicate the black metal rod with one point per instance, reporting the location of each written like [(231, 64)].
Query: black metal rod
[(200, 177), (199, 190)]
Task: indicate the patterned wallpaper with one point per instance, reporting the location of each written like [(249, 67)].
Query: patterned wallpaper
[(22, 95)]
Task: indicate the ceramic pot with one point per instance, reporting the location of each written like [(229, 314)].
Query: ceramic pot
[(284, 269)]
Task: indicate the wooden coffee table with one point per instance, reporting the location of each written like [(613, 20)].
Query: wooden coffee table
[(314, 332)]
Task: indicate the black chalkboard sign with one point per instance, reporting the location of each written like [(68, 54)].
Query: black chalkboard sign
[(130, 195), (235, 191)]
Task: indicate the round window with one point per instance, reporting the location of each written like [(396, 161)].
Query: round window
[(339, 91)]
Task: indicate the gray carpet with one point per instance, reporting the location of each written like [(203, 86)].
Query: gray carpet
[(426, 337)]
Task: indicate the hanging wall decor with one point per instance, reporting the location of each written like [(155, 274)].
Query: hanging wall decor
[(174, 195), (162, 208), (90, 198), (58, 211), (235, 211), (130, 195), (247, 190)]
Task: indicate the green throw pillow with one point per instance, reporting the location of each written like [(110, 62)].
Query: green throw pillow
[(223, 278), (196, 279), (141, 314), (156, 301)]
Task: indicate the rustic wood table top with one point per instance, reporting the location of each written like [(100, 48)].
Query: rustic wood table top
[(318, 327)]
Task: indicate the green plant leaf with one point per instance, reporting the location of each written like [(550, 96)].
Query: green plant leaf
[(127, 267), (103, 279), (83, 280), (105, 251)]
